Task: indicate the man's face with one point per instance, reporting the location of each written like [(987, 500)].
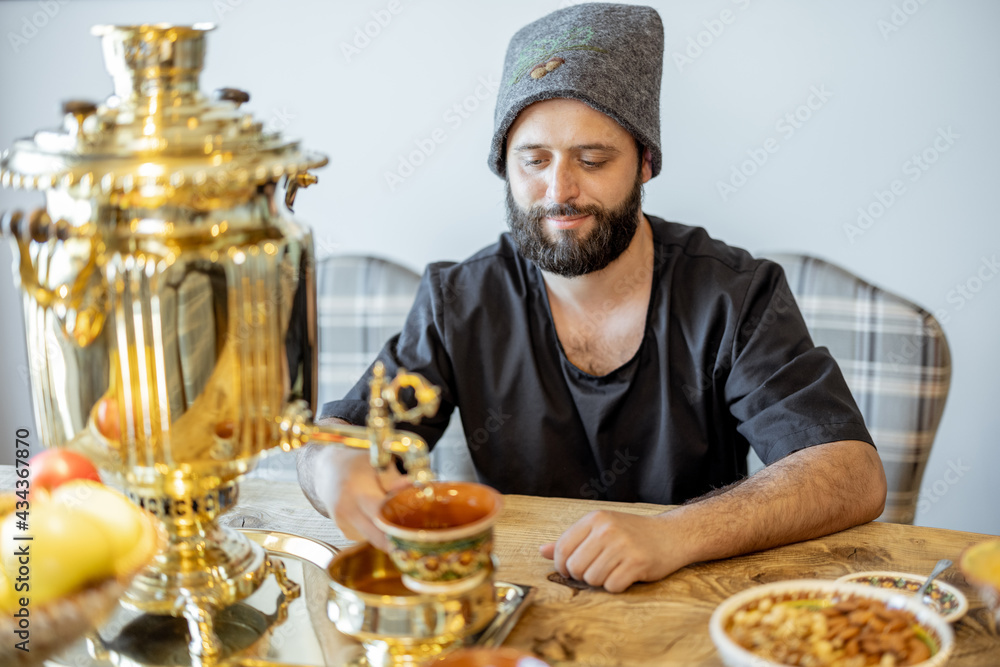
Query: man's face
[(574, 186)]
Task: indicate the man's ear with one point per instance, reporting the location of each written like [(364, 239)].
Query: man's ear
[(647, 165)]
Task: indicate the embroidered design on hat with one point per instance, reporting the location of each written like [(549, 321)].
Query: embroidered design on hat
[(539, 59)]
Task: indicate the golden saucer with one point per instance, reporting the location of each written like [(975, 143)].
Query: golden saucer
[(306, 637), (368, 601)]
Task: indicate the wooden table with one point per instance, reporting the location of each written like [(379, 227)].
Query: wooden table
[(662, 623)]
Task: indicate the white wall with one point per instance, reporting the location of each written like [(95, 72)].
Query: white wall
[(891, 93)]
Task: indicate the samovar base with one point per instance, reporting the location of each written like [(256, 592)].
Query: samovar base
[(214, 568), (165, 641), (201, 637), (193, 585)]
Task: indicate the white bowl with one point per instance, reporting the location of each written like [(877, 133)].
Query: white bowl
[(734, 655), (945, 598)]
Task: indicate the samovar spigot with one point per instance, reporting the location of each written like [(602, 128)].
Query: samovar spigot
[(379, 436)]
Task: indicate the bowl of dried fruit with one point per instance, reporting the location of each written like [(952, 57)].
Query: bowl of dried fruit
[(829, 624)]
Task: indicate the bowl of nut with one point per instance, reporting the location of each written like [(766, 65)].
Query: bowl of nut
[(829, 624)]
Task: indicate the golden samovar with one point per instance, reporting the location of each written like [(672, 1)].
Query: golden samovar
[(170, 311)]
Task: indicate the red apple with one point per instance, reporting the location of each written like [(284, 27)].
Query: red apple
[(54, 467), (107, 418)]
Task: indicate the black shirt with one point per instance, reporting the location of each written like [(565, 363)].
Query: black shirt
[(726, 362)]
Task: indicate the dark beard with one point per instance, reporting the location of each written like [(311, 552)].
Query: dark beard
[(569, 255)]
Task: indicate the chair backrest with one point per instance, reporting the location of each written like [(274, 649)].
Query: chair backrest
[(361, 302), (896, 361)]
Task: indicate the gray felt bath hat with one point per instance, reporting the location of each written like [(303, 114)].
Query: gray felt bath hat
[(609, 56)]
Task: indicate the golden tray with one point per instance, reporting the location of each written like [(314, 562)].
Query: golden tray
[(307, 637)]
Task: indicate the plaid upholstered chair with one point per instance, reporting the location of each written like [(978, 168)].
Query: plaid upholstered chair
[(895, 359), (361, 303)]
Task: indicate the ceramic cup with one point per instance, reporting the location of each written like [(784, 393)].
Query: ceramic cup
[(441, 536), (980, 563)]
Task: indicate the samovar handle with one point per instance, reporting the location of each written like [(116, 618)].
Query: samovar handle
[(303, 179), (84, 299)]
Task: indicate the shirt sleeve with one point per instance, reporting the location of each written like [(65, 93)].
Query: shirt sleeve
[(419, 348), (785, 393)]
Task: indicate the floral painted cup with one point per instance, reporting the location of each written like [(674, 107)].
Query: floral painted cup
[(441, 535)]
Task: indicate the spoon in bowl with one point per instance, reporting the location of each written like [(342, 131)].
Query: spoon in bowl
[(940, 567)]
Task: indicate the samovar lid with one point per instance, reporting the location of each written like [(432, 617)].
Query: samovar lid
[(158, 134)]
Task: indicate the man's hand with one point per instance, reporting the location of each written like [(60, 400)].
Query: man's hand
[(355, 507), (813, 492), (615, 550), (342, 485)]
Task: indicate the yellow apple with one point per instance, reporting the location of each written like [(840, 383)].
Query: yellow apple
[(115, 512), (68, 549)]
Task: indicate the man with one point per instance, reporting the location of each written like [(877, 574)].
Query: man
[(599, 352)]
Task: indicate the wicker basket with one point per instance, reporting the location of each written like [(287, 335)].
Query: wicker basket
[(57, 624)]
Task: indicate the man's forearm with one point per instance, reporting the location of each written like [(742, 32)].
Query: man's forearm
[(311, 466), (813, 492)]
